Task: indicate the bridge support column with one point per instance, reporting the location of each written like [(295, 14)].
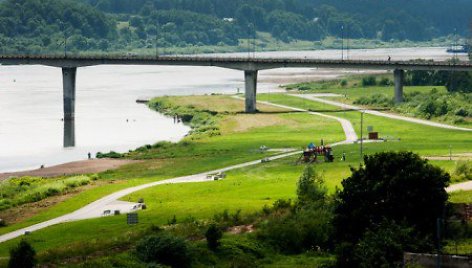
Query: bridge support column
[(69, 133), (398, 80), (250, 78), (68, 82)]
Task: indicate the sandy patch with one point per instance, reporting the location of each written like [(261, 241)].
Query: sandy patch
[(72, 168)]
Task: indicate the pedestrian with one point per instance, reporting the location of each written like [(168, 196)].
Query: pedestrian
[(344, 157), (389, 58), (89, 155)]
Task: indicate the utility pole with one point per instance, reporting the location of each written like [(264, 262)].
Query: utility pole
[(362, 134), (342, 42)]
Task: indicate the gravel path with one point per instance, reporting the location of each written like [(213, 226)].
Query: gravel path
[(315, 97)]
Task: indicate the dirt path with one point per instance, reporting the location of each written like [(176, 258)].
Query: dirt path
[(314, 97), (72, 168)]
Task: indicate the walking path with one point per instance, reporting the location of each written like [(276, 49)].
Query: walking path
[(96, 208), (465, 186), (315, 97)]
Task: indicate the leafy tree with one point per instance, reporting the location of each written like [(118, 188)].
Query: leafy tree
[(213, 236), (394, 187), (22, 256), (310, 187)]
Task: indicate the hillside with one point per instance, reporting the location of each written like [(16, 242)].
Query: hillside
[(33, 26)]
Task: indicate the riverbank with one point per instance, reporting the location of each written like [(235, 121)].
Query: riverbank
[(72, 168)]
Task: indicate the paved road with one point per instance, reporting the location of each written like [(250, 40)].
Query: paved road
[(314, 97)]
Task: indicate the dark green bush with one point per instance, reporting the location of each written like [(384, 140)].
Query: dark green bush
[(164, 248), (369, 81), (22, 256), (111, 154), (213, 236)]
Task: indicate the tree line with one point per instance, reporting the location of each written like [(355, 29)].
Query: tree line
[(33, 25)]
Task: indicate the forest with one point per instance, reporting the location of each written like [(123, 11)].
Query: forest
[(35, 26)]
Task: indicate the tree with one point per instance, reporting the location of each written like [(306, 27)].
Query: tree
[(22, 256), (310, 187), (213, 236), (394, 187)]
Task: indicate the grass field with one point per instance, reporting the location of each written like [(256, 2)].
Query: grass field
[(247, 189), (428, 102)]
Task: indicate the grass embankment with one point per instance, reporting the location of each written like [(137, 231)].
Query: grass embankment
[(247, 189), (240, 139), (427, 102)]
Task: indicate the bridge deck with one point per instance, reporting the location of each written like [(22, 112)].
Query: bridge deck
[(240, 63)]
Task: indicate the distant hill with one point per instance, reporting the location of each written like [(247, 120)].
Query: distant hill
[(32, 25)]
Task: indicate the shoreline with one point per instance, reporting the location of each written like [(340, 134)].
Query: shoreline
[(71, 168)]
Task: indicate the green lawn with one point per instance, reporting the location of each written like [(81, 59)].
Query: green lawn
[(248, 188), (461, 197)]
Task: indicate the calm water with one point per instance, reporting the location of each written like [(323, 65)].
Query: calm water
[(107, 116)]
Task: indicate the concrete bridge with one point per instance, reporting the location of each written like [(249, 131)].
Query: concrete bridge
[(250, 66)]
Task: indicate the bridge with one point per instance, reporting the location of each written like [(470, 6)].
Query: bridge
[(250, 66)]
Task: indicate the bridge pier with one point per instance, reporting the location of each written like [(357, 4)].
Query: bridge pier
[(69, 133), (399, 76), (68, 82), (250, 78)]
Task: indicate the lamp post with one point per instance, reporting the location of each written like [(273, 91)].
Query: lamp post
[(342, 42), (362, 134)]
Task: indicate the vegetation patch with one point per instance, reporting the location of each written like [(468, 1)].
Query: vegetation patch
[(18, 191)]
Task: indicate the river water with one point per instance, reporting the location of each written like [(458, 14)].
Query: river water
[(107, 115)]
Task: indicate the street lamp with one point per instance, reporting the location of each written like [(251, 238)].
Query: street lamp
[(362, 134), (342, 42)]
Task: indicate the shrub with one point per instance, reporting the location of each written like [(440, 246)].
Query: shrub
[(111, 154), (302, 230), (22, 256), (384, 246), (369, 81), (213, 236), (385, 82), (310, 187), (463, 171), (343, 83), (164, 248)]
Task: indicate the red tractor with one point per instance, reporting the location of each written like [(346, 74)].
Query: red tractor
[(312, 153)]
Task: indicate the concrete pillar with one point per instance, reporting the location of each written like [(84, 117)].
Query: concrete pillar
[(398, 79), (250, 78), (68, 82), (69, 133)]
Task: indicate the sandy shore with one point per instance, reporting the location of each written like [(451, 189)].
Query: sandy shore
[(72, 168)]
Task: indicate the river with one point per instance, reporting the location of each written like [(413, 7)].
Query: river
[(107, 115)]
